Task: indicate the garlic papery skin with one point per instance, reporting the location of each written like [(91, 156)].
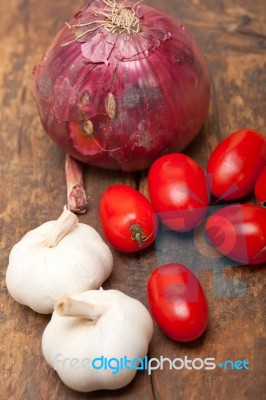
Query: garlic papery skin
[(59, 258), (91, 325)]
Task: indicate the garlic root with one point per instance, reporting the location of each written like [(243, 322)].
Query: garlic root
[(76, 196), (69, 307)]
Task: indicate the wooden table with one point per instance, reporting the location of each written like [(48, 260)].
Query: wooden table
[(233, 37)]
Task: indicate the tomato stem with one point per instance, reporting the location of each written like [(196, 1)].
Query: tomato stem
[(137, 234), (260, 252), (76, 196)]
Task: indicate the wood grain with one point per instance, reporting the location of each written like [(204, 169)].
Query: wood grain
[(232, 36)]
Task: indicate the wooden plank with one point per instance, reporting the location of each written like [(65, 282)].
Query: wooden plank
[(232, 36)]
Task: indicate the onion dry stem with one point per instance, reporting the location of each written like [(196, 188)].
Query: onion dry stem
[(76, 195), (118, 19)]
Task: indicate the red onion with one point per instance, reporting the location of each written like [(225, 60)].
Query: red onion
[(122, 84)]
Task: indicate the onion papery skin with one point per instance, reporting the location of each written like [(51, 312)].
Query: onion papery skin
[(120, 100)]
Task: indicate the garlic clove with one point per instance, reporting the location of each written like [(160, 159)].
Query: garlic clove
[(59, 258), (116, 326)]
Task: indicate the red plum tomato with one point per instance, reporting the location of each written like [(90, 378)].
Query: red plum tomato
[(127, 218), (178, 191), (239, 232), (177, 302), (260, 188), (236, 163)]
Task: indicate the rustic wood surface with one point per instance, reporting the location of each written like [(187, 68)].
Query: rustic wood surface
[(232, 34)]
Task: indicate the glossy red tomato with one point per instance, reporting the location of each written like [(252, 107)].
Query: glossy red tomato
[(260, 188), (239, 232), (236, 163), (128, 219), (178, 191), (177, 302)]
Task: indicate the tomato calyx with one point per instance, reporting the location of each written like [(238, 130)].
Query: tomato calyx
[(137, 234)]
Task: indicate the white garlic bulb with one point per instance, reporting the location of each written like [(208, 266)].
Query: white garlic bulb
[(91, 335), (59, 258)]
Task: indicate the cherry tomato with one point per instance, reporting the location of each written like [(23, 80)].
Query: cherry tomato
[(128, 219), (239, 232), (177, 302), (236, 163), (178, 191), (260, 188)]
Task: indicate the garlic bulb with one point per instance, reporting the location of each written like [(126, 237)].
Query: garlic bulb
[(59, 258), (92, 335)]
